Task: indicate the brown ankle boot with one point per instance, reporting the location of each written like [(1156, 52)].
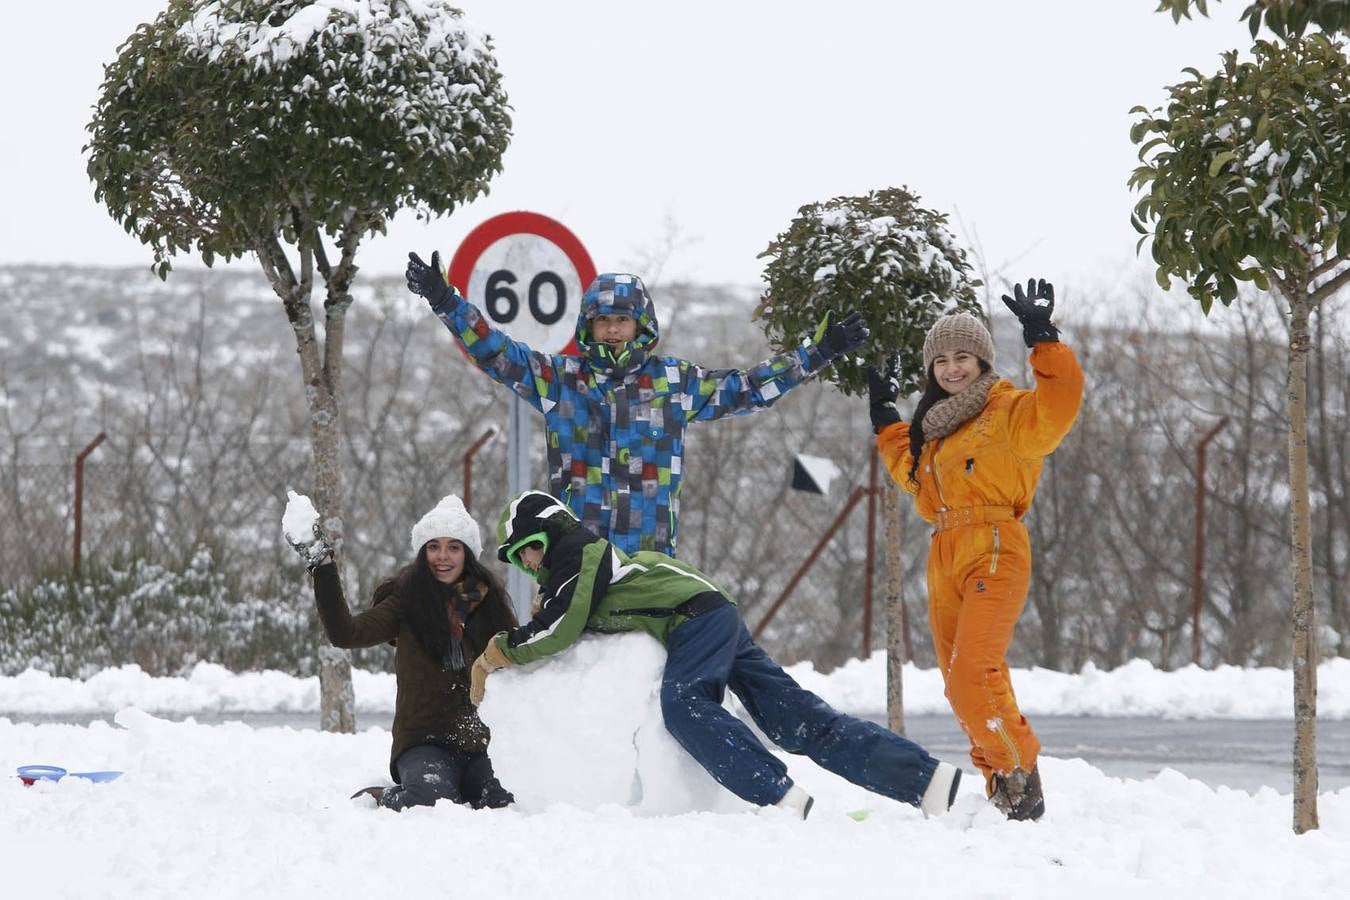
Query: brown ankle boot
[(1018, 794)]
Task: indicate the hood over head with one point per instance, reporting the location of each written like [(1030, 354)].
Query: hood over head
[(617, 293), (529, 517)]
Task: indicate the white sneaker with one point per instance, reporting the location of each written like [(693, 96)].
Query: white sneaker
[(797, 802), (941, 790)]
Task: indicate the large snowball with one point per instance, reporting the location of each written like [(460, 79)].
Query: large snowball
[(584, 728)]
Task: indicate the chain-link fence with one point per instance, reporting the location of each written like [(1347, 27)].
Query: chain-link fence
[(740, 520), (35, 515), (195, 384)]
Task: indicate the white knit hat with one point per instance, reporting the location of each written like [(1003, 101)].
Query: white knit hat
[(448, 520)]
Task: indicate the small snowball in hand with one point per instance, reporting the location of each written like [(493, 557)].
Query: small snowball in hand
[(297, 523)]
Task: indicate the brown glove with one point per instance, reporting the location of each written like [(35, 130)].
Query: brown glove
[(490, 660)]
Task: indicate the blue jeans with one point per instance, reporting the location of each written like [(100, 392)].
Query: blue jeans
[(427, 773), (713, 652)]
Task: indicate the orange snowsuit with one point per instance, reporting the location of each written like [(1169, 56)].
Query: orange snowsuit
[(974, 486)]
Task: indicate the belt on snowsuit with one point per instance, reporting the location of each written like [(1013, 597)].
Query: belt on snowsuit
[(948, 519)]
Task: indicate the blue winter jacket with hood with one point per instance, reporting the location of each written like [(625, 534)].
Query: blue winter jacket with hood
[(616, 422)]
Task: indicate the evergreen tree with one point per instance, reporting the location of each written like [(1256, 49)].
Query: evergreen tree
[(267, 127), (881, 254)]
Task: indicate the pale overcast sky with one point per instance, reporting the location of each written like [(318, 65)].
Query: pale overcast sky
[(711, 122)]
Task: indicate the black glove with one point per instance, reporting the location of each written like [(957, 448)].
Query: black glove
[(313, 553), (1033, 309), (427, 281), (849, 333), (881, 393)]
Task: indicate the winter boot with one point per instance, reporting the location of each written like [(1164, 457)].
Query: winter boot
[(1018, 794), (375, 791), (797, 802), (940, 794), (493, 796)]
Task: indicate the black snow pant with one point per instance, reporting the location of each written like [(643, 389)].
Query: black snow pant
[(427, 774)]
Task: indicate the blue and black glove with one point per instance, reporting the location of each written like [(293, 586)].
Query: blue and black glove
[(1033, 309), (882, 390), (848, 334), (427, 281)]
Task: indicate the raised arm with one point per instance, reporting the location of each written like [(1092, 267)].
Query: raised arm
[(532, 375), (1041, 418), (715, 393), (375, 626)]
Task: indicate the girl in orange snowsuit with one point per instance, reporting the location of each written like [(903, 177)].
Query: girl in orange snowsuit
[(979, 444)]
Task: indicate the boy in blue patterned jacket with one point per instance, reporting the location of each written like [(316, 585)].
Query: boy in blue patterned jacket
[(616, 414)]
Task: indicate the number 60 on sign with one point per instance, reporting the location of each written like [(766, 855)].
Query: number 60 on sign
[(526, 272)]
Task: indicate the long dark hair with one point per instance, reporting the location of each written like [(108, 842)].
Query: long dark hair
[(932, 393), (426, 603)]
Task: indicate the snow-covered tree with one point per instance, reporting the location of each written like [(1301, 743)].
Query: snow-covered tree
[(1247, 178), (890, 259), (271, 127), (881, 254)]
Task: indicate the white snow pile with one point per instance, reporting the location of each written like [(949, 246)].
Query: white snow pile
[(584, 728), (858, 687), (607, 806)]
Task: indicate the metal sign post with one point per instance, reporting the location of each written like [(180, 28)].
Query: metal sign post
[(526, 273), (521, 586)]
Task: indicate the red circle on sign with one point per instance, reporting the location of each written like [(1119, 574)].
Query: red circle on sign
[(498, 227)]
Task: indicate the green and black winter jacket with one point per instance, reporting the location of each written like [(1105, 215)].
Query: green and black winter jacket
[(591, 585)]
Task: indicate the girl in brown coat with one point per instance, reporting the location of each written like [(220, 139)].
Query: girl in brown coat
[(439, 612)]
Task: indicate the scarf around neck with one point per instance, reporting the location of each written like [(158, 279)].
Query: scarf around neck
[(946, 416), (464, 600)]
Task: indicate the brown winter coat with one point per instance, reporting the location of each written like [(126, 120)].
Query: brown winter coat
[(431, 705)]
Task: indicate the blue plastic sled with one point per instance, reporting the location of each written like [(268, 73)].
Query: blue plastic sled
[(30, 774)]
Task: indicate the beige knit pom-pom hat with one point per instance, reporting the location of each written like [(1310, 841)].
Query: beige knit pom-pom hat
[(959, 331)]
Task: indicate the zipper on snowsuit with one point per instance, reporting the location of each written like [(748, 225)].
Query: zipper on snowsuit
[(932, 465), (993, 563)]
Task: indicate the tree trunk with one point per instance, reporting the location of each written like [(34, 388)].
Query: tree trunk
[(337, 700), (337, 707), (321, 373), (896, 626), (1305, 636)]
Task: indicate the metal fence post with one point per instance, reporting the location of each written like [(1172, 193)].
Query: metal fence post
[(1198, 579), (852, 501), (468, 465), (79, 497)]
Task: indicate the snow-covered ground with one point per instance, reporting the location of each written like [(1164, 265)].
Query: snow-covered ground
[(608, 806)]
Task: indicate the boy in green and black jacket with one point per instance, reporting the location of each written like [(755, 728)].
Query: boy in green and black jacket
[(591, 585)]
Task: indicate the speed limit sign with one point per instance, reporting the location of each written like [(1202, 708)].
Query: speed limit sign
[(526, 272)]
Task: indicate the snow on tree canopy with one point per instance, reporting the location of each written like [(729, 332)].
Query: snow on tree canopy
[(880, 254), (222, 125), (376, 39)]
